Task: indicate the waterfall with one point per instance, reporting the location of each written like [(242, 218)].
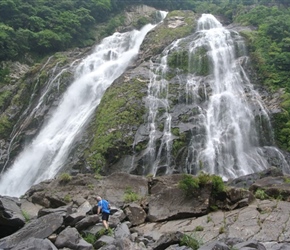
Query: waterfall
[(220, 109), (231, 146), (44, 157)]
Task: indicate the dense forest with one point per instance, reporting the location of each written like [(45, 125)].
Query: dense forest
[(39, 28)]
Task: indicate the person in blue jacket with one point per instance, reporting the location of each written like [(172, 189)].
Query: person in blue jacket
[(104, 208)]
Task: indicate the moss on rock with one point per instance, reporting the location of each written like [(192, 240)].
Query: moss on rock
[(118, 117)]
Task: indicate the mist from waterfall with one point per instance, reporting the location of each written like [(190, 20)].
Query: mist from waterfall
[(44, 157)]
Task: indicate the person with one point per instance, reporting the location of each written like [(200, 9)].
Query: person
[(104, 208)]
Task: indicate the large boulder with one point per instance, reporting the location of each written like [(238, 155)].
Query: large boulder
[(273, 187), (168, 201), (40, 228), (135, 214), (80, 214), (86, 187), (11, 218), (34, 243), (71, 239)]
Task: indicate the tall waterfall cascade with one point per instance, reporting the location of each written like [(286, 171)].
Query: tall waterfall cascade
[(44, 157), (227, 127)]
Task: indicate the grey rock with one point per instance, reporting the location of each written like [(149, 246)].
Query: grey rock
[(216, 245), (87, 222), (40, 228), (63, 211), (34, 244), (71, 238), (73, 218), (251, 244), (104, 240), (11, 218), (135, 214), (122, 231), (168, 239)]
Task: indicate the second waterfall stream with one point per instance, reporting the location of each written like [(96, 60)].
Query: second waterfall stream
[(199, 90)]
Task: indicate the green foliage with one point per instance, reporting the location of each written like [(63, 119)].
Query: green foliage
[(199, 63), (208, 219), (112, 129), (179, 143), (204, 178), (188, 183), (195, 62), (4, 72), (142, 21), (260, 194), (25, 215), (130, 196), (103, 232), (269, 48), (65, 177), (198, 228), (67, 198), (222, 230), (218, 185), (190, 241), (178, 60), (4, 96), (90, 238), (214, 208), (113, 23), (44, 27), (5, 126)]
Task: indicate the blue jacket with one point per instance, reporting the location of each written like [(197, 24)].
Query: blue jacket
[(105, 207)]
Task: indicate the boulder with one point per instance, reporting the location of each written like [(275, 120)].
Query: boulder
[(168, 239), (40, 228), (122, 231), (11, 218), (235, 198), (34, 243), (116, 218), (87, 222), (168, 201), (114, 186), (251, 244), (70, 238), (30, 208), (177, 247), (104, 240), (246, 181), (274, 187), (73, 218), (215, 245), (135, 214), (63, 211)]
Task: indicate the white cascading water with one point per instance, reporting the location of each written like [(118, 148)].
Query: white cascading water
[(224, 139), (47, 153), (231, 147), (158, 98)]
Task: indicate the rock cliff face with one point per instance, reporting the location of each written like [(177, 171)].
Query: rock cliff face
[(116, 139), (124, 143)]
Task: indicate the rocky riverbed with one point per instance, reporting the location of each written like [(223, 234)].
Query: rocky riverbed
[(57, 214)]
